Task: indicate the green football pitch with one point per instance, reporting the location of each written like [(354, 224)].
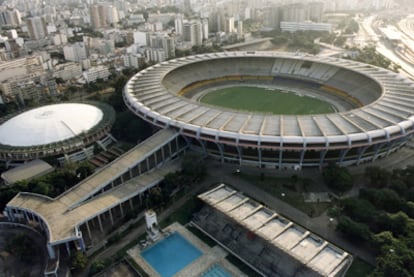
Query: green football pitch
[(258, 99)]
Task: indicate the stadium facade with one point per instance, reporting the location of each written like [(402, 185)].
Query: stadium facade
[(375, 108)]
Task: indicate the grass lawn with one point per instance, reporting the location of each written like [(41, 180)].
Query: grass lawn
[(291, 191), (359, 268), (259, 99)]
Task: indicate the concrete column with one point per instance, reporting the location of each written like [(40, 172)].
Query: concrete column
[(67, 248), (162, 153), (26, 215), (155, 158), (130, 173), (148, 165), (89, 230), (82, 244), (322, 155), (131, 204), (122, 210), (259, 154), (51, 251), (221, 152), (177, 144), (100, 223), (139, 169), (280, 158), (110, 217), (361, 153), (302, 157), (169, 148), (343, 155)]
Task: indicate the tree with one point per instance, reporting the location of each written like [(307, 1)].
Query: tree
[(84, 170), (42, 188), (353, 230), (384, 199), (79, 260), (358, 209), (338, 178), (395, 258), (378, 177)]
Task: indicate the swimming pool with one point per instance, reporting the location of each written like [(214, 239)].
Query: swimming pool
[(216, 271), (171, 254)]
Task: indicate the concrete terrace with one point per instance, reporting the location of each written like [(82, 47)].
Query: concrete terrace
[(311, 251), (61, 217)]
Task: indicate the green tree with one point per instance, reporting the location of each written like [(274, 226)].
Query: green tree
[(337, 178), (378, 177), (353, 230), (359, 209), (79, 260), (84, 170)]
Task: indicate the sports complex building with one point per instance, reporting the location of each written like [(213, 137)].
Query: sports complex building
[(375, 116), (374, 108), (66, 131)]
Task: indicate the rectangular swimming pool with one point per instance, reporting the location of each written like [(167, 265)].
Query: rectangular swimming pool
[(171, 255)]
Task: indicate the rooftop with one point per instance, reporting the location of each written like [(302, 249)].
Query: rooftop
[(74, 207), (49, 124), (304, 246)]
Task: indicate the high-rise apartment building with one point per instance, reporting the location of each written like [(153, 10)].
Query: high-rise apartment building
[(193, 32), (102, 15), (10, 17), (75, 52), (178, 24), (37, 27)]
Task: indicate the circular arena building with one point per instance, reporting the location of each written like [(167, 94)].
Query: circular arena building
[(374, 108), (53, 130)]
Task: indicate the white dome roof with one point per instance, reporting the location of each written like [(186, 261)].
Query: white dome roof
[(49, 124)]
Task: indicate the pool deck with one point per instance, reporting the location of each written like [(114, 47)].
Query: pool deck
[(211, 256)]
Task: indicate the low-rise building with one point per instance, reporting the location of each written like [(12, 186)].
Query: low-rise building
[(95, 73)]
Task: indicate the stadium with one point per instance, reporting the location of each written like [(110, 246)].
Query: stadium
[(373, 108), (61, 130)]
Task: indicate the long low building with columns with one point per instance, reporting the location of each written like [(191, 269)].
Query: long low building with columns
[(270, 243), (108, 192)]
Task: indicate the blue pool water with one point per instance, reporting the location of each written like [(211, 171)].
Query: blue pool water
[(171, 254), (216, 271)]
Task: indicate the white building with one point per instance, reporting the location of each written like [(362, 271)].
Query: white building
[(95, 73), (229, 25), (60, 39), (36, 27), (75, 52), (305, 26), (193, 32), (10, 17), (204, 24), (68, 71), (140, 38), (178, 24), (134, 60), (155, 55)]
